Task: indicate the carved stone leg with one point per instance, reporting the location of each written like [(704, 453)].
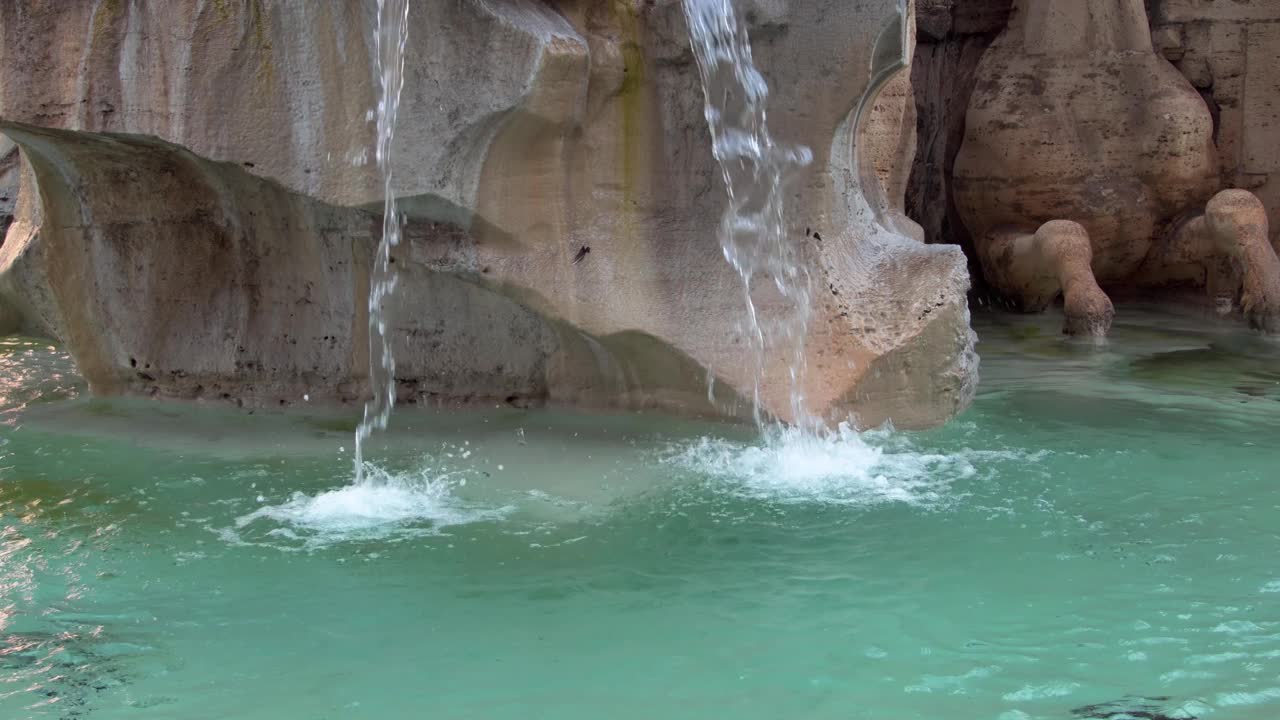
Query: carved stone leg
[(1236, 221), (1055, 260)]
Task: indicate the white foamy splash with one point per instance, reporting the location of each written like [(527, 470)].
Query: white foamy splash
[(385, 506), (838, 467), (1030, 693)]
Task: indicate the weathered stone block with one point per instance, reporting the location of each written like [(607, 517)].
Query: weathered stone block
[(1217, 10), (1262, 100), (1168, 41), (1227, 49), (1196, 69), (933, 18), (981, 17), (1228, 94)]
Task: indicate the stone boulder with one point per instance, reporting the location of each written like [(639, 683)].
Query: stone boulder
[(577, 126)]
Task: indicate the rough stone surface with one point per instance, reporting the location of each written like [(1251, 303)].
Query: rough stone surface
[(25, 301), (953, 36), (285, 86), (655, 197), (1215, 10), (577, 124), (1054, 261), (166, 274), (1076, 117), (889, 143), (1226, 48), (1229, 50)]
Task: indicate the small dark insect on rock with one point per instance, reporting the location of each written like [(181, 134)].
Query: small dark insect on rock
[(817, 237), (581, 254)]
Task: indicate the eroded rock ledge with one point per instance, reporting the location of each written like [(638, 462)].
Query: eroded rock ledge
[(169, 275), (580, 127)]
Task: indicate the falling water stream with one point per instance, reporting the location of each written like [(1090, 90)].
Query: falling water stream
[(806, 458), (753, 230), (390, 37)]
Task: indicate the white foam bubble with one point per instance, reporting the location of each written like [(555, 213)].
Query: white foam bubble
[(1180, 675), (1237, 627), (1042, 692), (383, 505), (953, 684), (1249, 698), (1216, 659), (840, 467)]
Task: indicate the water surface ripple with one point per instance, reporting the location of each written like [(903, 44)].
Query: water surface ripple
[(1096, 538)]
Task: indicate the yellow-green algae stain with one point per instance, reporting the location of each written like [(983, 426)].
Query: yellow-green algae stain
[(104, 17), (223, 9), (266, 73), (633, 106)]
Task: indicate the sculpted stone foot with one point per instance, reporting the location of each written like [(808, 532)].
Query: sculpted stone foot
[(1236, 221), (1036, 268)]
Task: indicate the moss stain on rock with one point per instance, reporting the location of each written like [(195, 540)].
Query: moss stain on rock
[(631, 96), (223, 10), (266, 73), (104, 17)]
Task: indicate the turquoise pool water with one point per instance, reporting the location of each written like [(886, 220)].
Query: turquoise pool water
[(1099, 537)]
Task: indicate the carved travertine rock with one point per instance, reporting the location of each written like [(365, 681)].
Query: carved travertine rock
[(1229, 50), (169, 275), (285, 87), (540, 129), (953, 36), (1076, 118)]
